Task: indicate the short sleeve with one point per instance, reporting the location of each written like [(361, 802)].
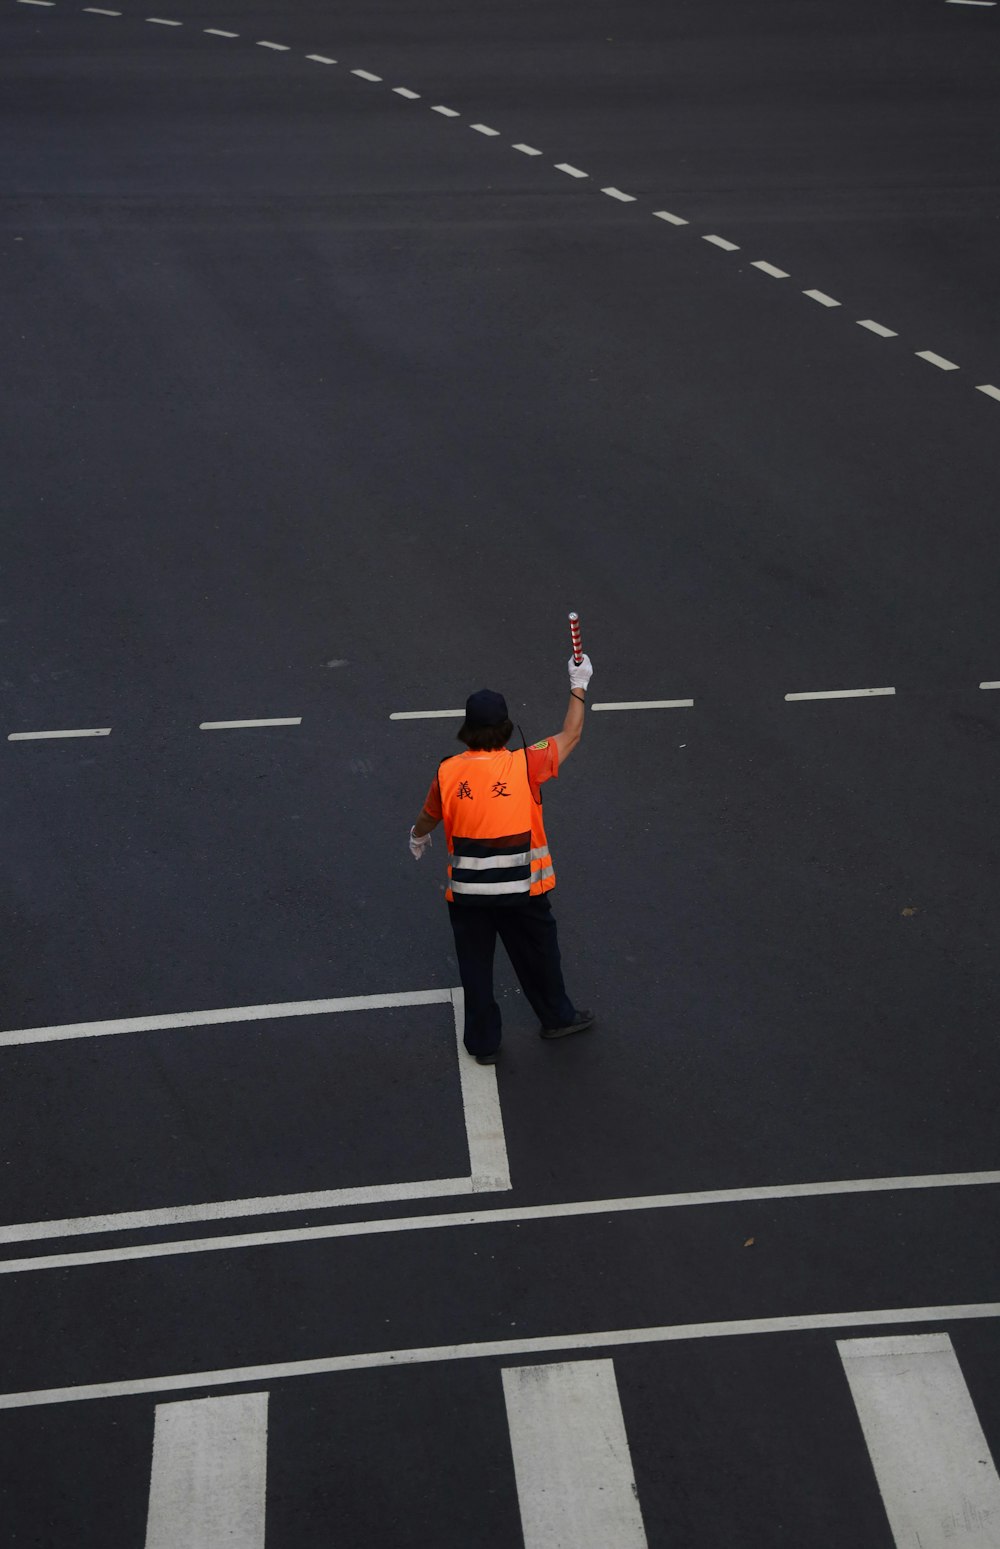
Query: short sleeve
[(543, 761), (432, 801)]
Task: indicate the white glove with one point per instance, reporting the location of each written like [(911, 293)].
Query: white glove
[(418, 846), (580, 673)]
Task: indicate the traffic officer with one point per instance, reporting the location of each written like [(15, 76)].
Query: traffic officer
[(500, 871)]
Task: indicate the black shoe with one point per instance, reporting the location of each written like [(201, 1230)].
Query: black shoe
[(579, 1024), (487, 1059)]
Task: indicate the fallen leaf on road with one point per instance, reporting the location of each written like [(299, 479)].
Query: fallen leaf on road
[(748, 1243), (908, 911)]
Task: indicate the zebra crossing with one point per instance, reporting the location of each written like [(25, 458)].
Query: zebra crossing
[(593, 1453)]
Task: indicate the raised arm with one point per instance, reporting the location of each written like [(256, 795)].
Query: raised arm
[(579, 676)]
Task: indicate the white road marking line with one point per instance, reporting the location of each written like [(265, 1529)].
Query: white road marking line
[(208, 1483), (488, 1163), (675, 220), (646, 704), (555, 1343), (571, 171), (935, 1474), (98, 10), (936, 360), (221, 1015), (572, 1463), (279, 48), (321, 59), (527, 150), (164, 21), (484, 129), (427, 715), (366, 75), (447, 112), (971, 2), (37, 2), (841, 693), (274, 720), (727, 247), (822, 297), (44, 736), (496, 1216), (766, 268), (616, 193), (218, 32), (989, 390), (404, 91), (883, 333), (990, 685)]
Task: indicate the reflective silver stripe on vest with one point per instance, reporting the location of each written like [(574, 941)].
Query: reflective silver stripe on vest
[(490, 862), (541, 876), (524, 886), (541, 854)]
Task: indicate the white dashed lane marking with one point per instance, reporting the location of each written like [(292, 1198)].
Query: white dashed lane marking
[(320, 59), (766, 268), (404, 91), (366, 75), (842, 693), (279, 48), (427, 715), (484, 129), (37, 2), (276, 720), (991, 685), (646, 704), (164, 21), (727, 247), (446, 112), (616, 193), (217, 32), (527, 150), (44, 736), (883, 333), (989, 390), (936, 360), (98, 10), (821, 296), (673, 220), (571, 171)]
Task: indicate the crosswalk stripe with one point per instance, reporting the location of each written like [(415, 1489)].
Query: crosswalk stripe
[(937, 1479), (208, 1480), (572, 1462)]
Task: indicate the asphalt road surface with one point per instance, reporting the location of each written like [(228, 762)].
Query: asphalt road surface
[(346, 347)]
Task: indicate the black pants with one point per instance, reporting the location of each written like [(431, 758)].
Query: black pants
[(528, 932)]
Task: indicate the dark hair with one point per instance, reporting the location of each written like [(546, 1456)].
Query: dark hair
[(487, 739)]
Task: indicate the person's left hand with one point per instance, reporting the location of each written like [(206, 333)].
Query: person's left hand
[(418, 846)]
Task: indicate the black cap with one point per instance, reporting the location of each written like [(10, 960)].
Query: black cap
[(484, 708)]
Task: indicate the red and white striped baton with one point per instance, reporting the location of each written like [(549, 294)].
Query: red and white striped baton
[(576, 637)]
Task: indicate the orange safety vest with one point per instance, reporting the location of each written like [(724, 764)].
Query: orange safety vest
[(497, 850)]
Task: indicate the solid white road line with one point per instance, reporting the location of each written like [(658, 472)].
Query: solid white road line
[(404, 91), (797, 1323), (935, 1474), (427, 715), (83, 731), (274, 720), (616, 193), (527, 150), (569, 169), (488, 1164), (279, 48), (217, 32), (766, 268), (989, 390), (936, 360), (727, 247), (674, 220), (366, 75), (447, 112), (842, 693), (990, 685), (821, 296), (262, 1013), (504, 1215), (647, 704), (209, 1477), (873, 327), (208, 1483), (572, 1463), (484, 129)]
